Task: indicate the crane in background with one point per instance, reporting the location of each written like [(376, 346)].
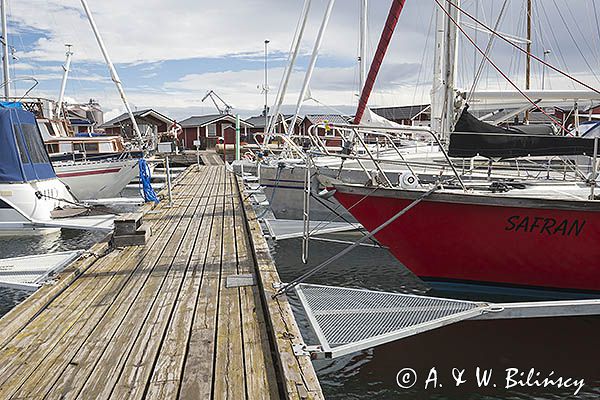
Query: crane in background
[(225, 109)]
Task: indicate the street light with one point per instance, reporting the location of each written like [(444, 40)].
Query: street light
[(266, 88), (546, 52)]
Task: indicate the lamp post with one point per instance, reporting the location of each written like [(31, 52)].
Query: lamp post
[(546, 52), (266, 88)]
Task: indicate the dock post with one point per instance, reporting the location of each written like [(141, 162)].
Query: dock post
[(168, 170), (237, 137)]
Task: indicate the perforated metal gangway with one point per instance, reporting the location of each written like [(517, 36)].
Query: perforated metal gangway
[(347, 320)]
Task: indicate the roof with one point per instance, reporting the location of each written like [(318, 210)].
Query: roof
[(141, 114), (400, 112), (320, 118), (203, 120), (259, 120)]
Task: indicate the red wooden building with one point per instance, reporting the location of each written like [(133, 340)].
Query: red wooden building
[(209, 128)]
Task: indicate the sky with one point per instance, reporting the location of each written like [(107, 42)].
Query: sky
[(169, 54)]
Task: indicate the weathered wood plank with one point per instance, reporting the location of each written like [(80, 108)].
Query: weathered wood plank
[(197, 377), (166, 377), (229, 364), (297, 372)]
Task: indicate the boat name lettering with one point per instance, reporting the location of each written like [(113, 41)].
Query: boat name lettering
[(544, 225)]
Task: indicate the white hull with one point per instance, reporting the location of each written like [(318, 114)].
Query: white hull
[(96, 179), (19, 205)]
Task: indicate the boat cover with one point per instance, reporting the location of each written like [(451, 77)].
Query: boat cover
[(510, 145), (23, 157)]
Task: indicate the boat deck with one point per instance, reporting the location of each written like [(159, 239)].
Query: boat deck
[(158, 321)]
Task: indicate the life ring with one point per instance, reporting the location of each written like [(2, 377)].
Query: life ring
[(249, 156)]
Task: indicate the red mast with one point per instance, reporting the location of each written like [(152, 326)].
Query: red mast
[(384, 41)]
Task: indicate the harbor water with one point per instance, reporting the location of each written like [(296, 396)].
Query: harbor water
[(565, 347)]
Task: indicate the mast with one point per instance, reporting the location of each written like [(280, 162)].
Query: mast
[(113, 72), (528, 59), (362, 58), (311, 66), (5, 51), (384, 41), (449, 67), (289, 68), (63, 84), (437, 87), (266, 84)]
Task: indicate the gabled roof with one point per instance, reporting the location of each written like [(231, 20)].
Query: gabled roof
[(124, 118), (320, 118), (401, 112), (259, 120), (203, 120)]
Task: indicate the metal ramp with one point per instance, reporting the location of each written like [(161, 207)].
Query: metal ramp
[(31, 272), (348, 320), (280, 229)]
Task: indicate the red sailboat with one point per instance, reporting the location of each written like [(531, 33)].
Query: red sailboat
[(529, 237)]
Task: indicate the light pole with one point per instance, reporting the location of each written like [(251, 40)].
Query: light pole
[(546, 52), (266, 85)]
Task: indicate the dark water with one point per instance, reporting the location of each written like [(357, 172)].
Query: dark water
[(567, 346)]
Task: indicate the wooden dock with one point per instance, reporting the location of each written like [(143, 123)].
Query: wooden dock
[(157, 321)]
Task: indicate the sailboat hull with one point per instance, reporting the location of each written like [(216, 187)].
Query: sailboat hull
[(485, 240)]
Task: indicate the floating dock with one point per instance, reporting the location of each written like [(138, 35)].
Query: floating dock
[(187, 315)]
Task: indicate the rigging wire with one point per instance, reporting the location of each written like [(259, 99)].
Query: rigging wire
[(426, 51), (575, 41), (487, 51), (498, 69), (512, 44)]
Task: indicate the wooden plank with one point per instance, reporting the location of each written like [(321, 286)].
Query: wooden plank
[(296, 372), (140, 365), (82, 325), (166, 377), (261, 380), (103, 378), (197, 377), (229, 374)]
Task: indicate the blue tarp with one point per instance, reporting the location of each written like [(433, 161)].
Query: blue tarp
[(11, 104), (23, 156)]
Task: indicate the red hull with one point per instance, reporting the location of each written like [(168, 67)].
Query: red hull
[(480, 243)]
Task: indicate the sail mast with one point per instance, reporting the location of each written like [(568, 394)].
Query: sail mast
[(528, 62), (5, 51), (363, 44), (63, 84), (384, 42), (113, 72)]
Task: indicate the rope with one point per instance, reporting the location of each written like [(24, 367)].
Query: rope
[(40, 195), (146, 189), (348, 249)]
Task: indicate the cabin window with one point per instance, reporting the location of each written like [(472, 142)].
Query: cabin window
[(52, 148), (78, 148), (212, 130), (91, 147), (35, 145), (20, 145)]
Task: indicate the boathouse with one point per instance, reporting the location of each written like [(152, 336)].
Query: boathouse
[(258, 126), (149, 121), (209, 128)]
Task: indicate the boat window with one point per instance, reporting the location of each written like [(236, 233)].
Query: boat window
[(35, 145), (78, 148), (20, 145), (91, 147), (52, 148)]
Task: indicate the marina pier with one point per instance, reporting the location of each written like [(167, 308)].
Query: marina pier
[(190, 314)]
